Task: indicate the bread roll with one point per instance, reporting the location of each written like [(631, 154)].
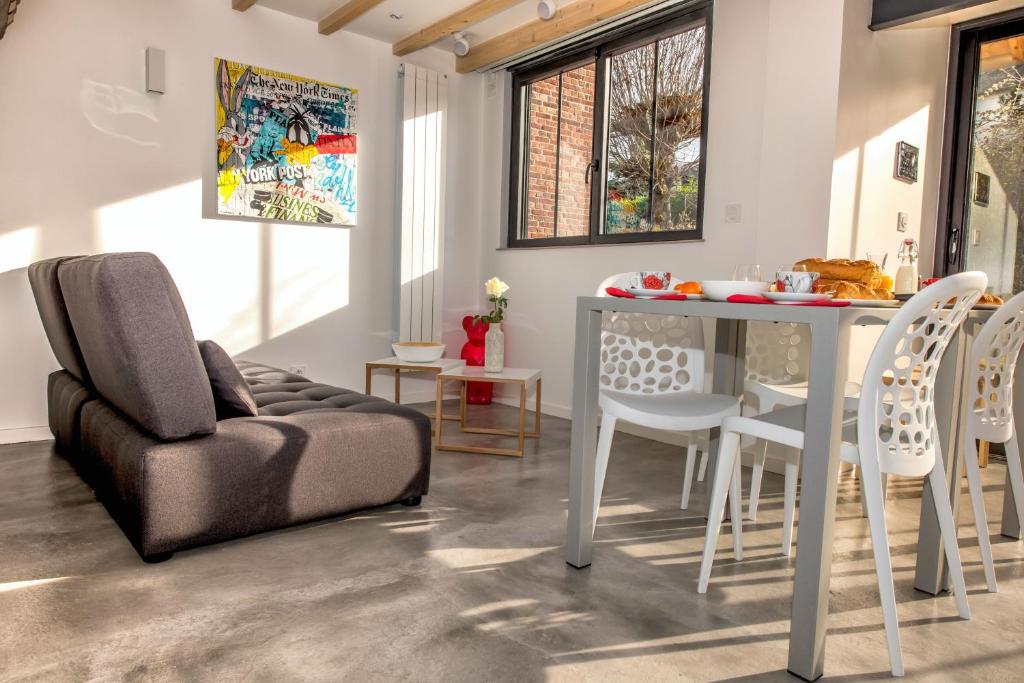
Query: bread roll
[(863, 272), (991, 299)]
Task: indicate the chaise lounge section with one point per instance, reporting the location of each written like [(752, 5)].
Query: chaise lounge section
[(134, 412)]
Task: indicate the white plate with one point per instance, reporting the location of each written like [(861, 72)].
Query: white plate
[(796, 297), (874, 303), (649, 292)]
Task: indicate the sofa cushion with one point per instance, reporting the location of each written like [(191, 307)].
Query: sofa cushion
[(232, 397), (258, 373), (137, 342), (42, 276)]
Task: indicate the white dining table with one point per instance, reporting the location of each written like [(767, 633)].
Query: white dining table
[(830, 336)]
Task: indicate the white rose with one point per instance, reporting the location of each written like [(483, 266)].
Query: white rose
[(495, 288)]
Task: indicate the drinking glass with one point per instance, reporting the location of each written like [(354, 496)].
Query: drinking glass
[(747, 272), (879, 257)]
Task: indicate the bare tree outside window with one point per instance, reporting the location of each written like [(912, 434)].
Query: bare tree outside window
[(654, 128)]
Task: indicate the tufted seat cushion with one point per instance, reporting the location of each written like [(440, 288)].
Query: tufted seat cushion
[(289, 399)]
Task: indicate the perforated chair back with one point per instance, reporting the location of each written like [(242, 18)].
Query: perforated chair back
[(777, 353), (650, 354), (896, 422), (993, 361)]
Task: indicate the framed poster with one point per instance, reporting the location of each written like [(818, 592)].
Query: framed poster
[(982, 188), (286, 146), (906, 162)]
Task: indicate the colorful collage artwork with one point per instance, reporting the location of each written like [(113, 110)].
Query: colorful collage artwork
[(286, 146)]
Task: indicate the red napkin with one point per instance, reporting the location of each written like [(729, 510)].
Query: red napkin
[(747, 299), (621, 293)]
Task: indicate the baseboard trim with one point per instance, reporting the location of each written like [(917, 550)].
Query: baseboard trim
[(24, 434)]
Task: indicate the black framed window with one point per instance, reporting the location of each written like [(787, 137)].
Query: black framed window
[(608, 141)]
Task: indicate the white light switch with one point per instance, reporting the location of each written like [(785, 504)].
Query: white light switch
[(733, 213), (975, 237), (902, 221)]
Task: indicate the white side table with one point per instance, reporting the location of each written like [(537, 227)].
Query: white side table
[(523, 377), (398, 366)]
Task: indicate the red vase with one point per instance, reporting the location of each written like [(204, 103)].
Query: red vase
[(477, 393)]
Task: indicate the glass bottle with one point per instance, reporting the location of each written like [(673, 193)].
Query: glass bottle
[(906, 275)]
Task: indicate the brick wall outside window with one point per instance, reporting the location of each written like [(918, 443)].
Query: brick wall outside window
[(563, 153)]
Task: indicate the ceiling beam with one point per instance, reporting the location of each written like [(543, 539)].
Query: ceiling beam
[(242, 5), (350, 11), (7, 10), (888, 14), (570, 19), (474, 14)]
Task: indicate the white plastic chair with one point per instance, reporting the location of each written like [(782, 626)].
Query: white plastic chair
[(892, 431), (652, 374), (778, 357), (990, 413)]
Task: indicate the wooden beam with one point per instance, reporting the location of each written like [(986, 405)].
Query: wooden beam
[(350, 11), (887, 14), (474, 14), (242, 5), (570, 19)]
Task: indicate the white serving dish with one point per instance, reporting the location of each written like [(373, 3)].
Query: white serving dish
[(720, 290), (796, 297), (418, 352)]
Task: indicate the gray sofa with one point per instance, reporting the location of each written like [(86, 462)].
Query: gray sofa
[(132, 410)]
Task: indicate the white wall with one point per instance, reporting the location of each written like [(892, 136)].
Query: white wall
[(892, 88), (92, 163)]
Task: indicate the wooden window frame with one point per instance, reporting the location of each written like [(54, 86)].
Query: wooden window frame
[(599, 52)]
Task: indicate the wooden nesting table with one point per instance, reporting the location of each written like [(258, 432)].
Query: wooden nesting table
[(522, 377)]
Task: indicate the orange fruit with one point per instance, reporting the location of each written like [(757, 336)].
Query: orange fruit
[(688, 288)]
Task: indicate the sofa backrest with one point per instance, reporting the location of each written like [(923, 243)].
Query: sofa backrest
[(53, 311), (137, 342)]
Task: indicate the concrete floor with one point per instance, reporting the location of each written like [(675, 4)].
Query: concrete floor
[(472, 586)]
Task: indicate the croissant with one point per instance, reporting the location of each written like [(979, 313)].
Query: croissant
[(863, 272)]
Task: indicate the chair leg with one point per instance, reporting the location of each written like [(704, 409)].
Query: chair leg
[(724, 473), (943, 510), (604, 447), (789, 504), (755, 482), (702, 469), (871, 490), (978, 504), (736, 507), (691, 453), (1016, 477)]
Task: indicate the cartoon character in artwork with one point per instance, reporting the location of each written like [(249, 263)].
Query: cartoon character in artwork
[(233, 139)]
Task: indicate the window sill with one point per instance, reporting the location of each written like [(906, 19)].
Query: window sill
[(639, 243)]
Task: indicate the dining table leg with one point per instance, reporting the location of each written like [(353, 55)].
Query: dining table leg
[(819, 480), (931, 573), (1011, 524), (583, 445), (729, 371)]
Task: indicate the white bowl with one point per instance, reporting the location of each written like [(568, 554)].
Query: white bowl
[(418, 352), (720, 290)]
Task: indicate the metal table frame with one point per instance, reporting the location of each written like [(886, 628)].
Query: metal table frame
[(830, 334)]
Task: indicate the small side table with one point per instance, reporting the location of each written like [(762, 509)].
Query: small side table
[(523, 377), (399, 366)]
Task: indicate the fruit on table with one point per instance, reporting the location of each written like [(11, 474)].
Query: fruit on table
[(688, 288), (887, 282)]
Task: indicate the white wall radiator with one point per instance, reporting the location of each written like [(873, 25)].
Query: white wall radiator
[(424, 126)]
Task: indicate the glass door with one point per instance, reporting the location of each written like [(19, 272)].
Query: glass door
[(986, 204)]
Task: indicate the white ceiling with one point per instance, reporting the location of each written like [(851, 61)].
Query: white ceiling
[(416, 14)]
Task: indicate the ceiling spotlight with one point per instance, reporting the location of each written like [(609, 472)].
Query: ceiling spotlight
[(546, 9), (461, 44)]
